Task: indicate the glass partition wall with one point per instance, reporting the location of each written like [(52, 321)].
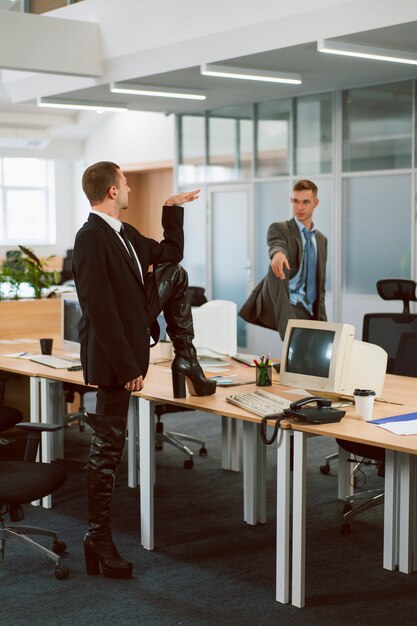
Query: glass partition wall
[(359, 148)]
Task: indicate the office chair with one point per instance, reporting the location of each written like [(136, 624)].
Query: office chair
[(80, 416), (66, 272), (22, 482), (386, 329), (404, 363), (197, 298), (9, 416)]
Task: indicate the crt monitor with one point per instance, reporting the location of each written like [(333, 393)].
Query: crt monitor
[(324, 357), (70, 316), (215, 329)]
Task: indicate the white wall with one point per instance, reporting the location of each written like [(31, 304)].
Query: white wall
[(132, 138)]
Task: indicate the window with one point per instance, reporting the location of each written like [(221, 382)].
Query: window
[(27, 213), (377, 128), (273, 138), (230, 144), (313, 134)]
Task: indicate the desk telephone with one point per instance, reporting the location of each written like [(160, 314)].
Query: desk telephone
[(321, 413)]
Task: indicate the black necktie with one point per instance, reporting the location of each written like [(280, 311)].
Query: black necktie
[(130, 250)]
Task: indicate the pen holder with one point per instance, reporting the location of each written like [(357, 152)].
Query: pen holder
[(263, 375)]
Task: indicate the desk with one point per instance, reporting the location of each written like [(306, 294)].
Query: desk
[(400, 538), (400, 461)]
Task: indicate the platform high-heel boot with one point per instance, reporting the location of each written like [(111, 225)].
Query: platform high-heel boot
[(172, 285), (105, 453), (186, 369)]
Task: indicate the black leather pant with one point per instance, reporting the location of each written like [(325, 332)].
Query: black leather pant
[(167, 291)]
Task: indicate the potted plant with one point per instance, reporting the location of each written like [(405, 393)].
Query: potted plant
[(36, 272), (23, 266)]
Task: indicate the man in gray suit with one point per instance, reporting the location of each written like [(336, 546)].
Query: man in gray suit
[(294, 286)]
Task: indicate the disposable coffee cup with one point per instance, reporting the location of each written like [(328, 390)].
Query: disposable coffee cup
[(46, 345), (165, 349), (364, 403)]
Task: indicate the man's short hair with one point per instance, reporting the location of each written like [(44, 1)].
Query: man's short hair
[(306, 185), (97, 180)]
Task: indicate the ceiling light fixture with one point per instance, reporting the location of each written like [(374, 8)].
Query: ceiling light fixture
[(57, 103), (224, 71), (155, 91), (366, 52)]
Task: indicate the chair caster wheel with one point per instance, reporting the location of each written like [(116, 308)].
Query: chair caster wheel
[(345, 528), (59, 547), (203, 451), (61, 572), (325, 469), (188, 464)]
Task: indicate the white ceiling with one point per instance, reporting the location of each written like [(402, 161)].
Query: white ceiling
[(146, 49)]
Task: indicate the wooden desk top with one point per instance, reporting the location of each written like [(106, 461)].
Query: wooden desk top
[(399, 395), (398, 389)]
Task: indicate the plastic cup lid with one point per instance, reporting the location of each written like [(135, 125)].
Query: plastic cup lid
[(364, 392)]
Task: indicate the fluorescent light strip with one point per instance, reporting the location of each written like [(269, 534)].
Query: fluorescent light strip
[(68, 104), (366, 52), (224, 71), (156, 92)]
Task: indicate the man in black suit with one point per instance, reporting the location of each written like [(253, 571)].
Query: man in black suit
[(293, 287), (120, 302)]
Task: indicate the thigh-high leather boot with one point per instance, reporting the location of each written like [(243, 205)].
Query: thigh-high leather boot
[(172, 281), (105, 453)]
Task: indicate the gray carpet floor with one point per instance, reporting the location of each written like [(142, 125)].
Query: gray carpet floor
[(209, 567)]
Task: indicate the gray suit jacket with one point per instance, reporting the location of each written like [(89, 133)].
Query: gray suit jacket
[(268, 305)]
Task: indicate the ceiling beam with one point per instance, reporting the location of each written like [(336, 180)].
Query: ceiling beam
[(31, 43)]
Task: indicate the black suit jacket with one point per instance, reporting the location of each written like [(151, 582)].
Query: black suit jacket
[(115, 328)]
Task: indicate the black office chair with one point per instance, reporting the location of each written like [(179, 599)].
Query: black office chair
[(66, 272), (403, 348), (22, 482), (9, 416), (80, 416), (386, 329), (197, 298)]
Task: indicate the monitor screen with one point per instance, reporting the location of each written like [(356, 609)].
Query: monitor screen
[(70, 317), (310, 351)]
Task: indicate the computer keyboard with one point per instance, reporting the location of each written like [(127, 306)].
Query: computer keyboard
[(261, 403), (54, 361)]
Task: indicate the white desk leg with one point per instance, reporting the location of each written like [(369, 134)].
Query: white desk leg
[(34, 400), (406, 516), (132, 442), (46, 438), (230, 444), (299, 520), (344, 484), (261, 478), (283, 517), (35, 412), (250, 481), (147, 472), (414, 514), (391, 504)]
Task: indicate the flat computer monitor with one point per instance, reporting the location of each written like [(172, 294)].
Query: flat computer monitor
[(70, 316), (215, 329), (326, 357)]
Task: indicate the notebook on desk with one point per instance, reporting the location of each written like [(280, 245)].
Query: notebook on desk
[(54, 361)]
